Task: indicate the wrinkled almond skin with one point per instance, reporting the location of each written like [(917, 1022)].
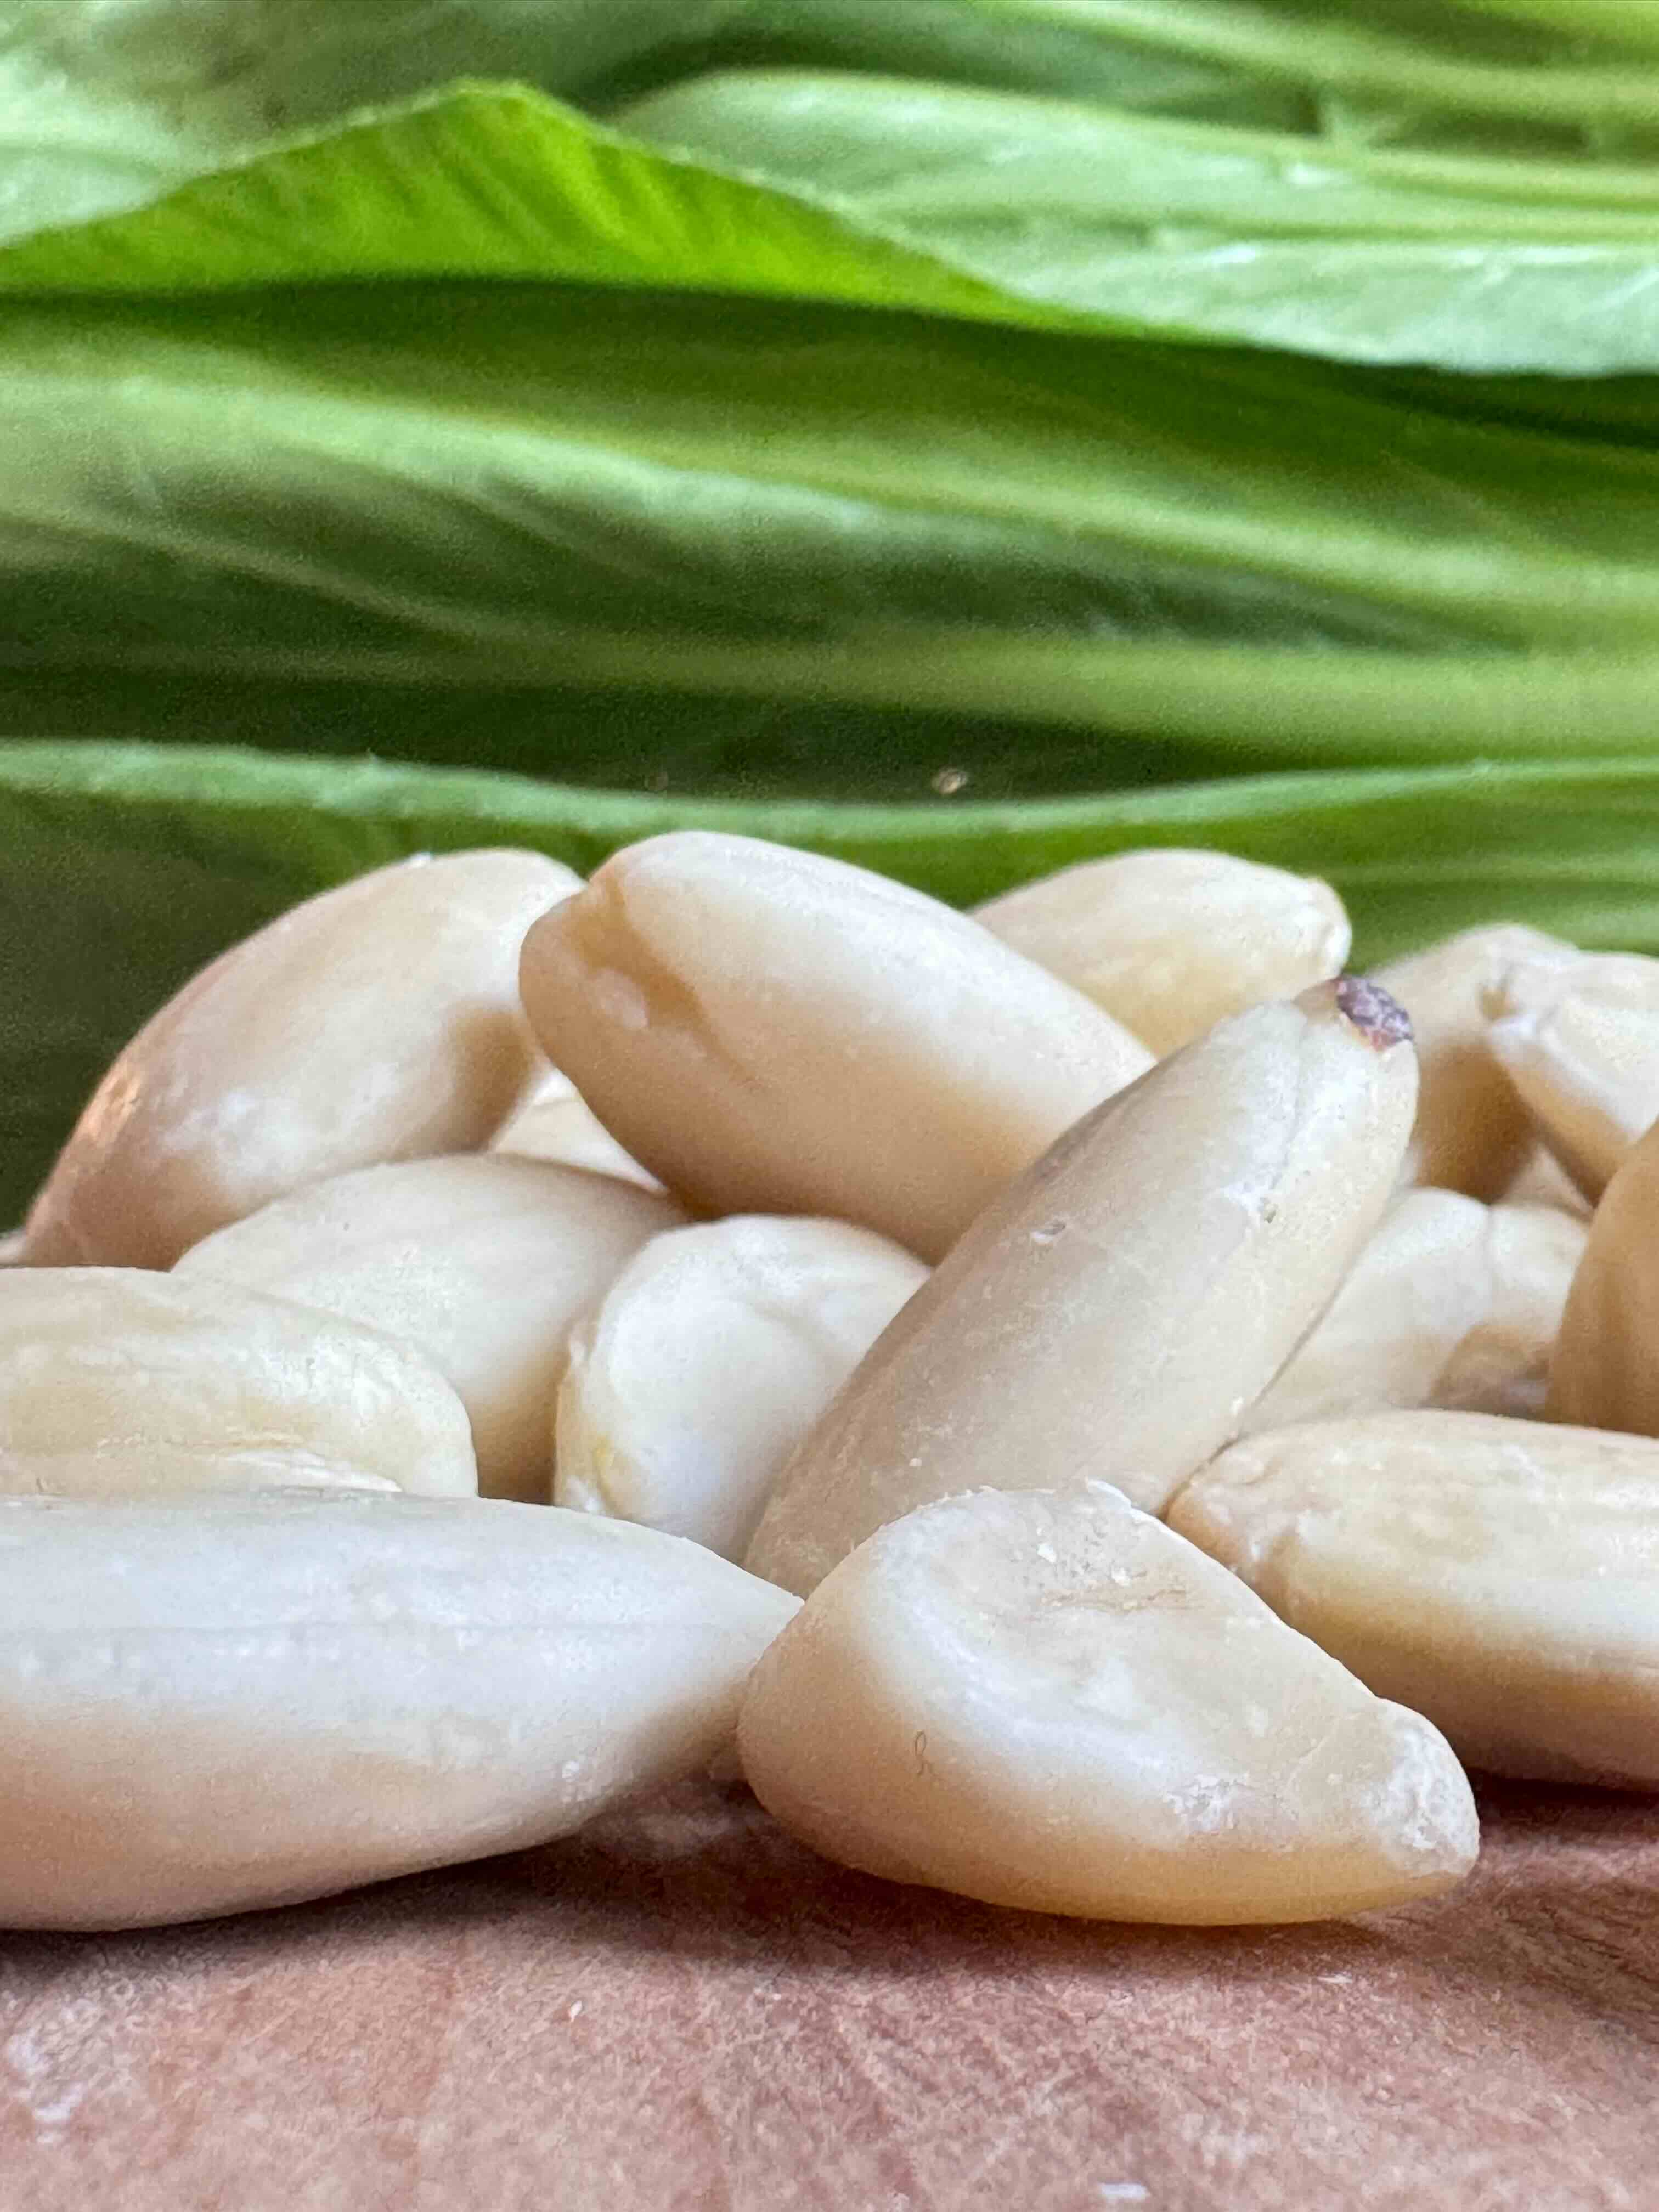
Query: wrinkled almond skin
[(769, 1031), (1115, 1313), (1605, 1374), (709, 1358), (1472, 1132), (1579, 1034), (220, 1703), (1052, 1702), (379, 1021), (481, 1260), (116, 1383), (1497, 1575), (1451, 1303), (1170, 942), (556, 1123)]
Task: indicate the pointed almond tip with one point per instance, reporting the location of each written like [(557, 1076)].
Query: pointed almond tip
[(1381, 1020)]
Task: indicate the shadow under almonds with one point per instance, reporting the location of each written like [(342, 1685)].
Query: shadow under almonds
[(1562, 1900), (705, 1873)]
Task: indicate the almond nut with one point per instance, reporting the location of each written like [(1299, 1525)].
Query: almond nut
[(1170, 942), (771, 1032), (379, 1021), (709, 1358), (229, 1703), (1472, 1133), (481, 1260), (1497, 1575), (1053, 1702), (1115, 1313), (116, 1383)]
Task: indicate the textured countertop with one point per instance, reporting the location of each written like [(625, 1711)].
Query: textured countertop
[(682, 2011)]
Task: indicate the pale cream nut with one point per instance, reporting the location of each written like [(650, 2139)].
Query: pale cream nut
[(379, 1021), (1053, 1702), (118, 1382), (1605, 1374), (1169, 941), (1472, 1133), (556, 1123), (213, 1704), (1579, 1034), (481, 1260), (1544, 1181), (1451, 1303), (708, 1360), (772, 1032), (1119, 1310), (1503, 1366), (1497, 1575)]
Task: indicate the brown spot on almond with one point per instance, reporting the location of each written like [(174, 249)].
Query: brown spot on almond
[(1381, 1020)]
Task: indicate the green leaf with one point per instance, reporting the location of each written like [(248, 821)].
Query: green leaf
[(1184, 231), (881, 192), (1452, 77), (496, 181), (129, 865), (1636, 22), (104, 104), (543, 489), (625, 736)]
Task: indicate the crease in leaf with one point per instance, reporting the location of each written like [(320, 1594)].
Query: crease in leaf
[(995, 708)]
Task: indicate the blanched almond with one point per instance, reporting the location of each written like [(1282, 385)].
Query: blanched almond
[(708, 1360), (379, 1021), (1498, 1576), (1502, 1365), (1579, 1036), (1451, 1303), (1170, 941), (556, 1123), (1116, 1312), (1605, 1371), (772, 1032), (116, 1382), (1544, 1181), (481, 1260), (213, 1704), (1472, 1133), (1053, 1702)]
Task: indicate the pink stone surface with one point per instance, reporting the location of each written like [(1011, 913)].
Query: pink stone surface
[(682, 2011)]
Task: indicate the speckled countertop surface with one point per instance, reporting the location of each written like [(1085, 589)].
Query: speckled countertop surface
[(682, 2011)]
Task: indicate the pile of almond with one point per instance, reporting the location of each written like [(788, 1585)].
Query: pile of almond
[(1074, 1401)]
